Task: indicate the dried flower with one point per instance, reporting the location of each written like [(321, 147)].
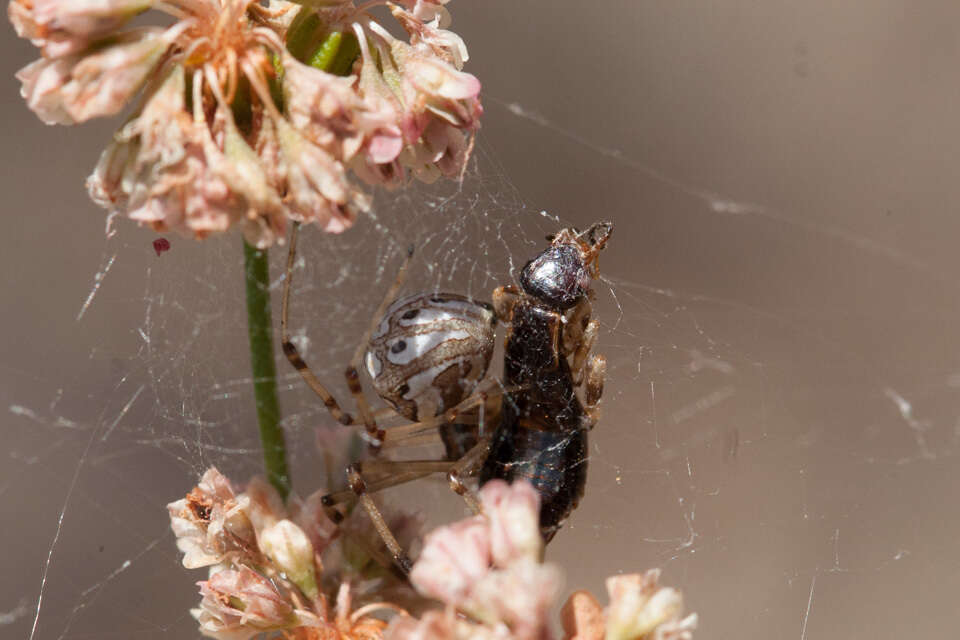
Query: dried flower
[(252, 115), (210, 523)]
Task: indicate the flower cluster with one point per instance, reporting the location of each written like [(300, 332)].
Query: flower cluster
[(253, 114), (266, 575), (488, 567), (264, 561)]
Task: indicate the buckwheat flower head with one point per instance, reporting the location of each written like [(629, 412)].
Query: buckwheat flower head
[(264, 564), (253, 114)]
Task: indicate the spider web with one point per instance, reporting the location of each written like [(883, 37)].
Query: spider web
[(781, 404)]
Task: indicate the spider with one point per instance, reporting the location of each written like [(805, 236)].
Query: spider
[(427, 356)]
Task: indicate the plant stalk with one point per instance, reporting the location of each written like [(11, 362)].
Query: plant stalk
[(260, 329)]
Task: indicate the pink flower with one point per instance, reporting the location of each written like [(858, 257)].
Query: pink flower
[(424, 23), (240, 604), (316, 183), (519, 596), (61, 28), (329, 111), (266, 575), (76, 88), (308, 514), (513, 520), (434, 625), (166, 170), (454, 559), (582, 617), (489, 568), (640, 607), (421, 86), (489, 565), (289, 548), (457, 557)]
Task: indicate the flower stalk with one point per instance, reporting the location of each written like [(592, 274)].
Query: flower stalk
[(260, 330)]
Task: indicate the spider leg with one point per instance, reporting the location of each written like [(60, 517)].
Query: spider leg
[(368, 477), (469, 465), (352, 376), (575, 325), (386, 413), (352, 373), (403, 435), (290, 350)]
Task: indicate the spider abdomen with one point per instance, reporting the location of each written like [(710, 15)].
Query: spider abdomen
[(429, 351)]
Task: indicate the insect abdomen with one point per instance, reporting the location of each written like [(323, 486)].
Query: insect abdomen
[(555, 463)]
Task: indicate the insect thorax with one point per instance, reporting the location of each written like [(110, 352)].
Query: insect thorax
[(429, 351)]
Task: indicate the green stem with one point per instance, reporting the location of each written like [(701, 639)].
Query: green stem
[(260, 328)]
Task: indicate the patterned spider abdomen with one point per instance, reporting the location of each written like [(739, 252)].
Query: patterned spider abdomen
[(429, 352)]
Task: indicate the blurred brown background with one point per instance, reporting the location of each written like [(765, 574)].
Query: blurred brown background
[(782, 414)]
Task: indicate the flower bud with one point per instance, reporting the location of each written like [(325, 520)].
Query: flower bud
[(290, 550)]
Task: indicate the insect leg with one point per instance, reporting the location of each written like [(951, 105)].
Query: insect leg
[(595, 372)]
